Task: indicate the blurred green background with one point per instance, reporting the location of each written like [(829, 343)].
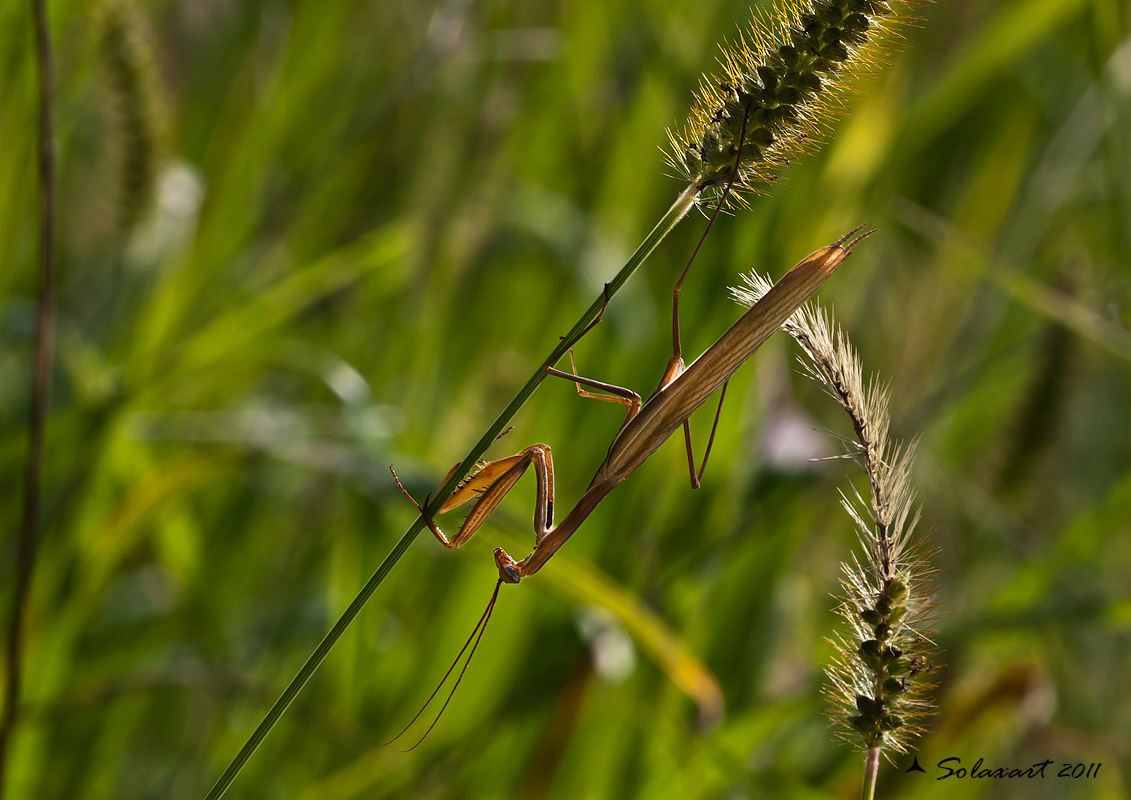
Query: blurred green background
[(372, 220)]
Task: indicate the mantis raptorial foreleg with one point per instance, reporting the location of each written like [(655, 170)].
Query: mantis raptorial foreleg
[(491, 484)]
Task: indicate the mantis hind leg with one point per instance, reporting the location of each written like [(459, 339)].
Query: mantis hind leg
[(697, 477), (675, 366)]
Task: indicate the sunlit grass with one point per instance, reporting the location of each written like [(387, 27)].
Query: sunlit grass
[(401, 207)]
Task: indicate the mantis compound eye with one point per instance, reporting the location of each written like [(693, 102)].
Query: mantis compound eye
[(508, 570)]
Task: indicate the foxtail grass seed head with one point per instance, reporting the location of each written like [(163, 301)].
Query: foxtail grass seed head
[(879, 677), (784, 76), (135, 107)]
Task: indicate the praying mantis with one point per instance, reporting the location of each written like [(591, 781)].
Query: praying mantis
[(647, 425)]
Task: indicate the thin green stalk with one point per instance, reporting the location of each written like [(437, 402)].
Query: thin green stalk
[(871, 769), (674, 214), (42, 351)]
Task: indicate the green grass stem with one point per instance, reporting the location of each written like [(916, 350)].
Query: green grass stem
[(871, 769)]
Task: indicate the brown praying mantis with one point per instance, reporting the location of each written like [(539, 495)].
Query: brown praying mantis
[(647, 425)]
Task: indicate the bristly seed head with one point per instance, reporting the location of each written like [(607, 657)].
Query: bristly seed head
[(135, 107), (781, 78), (880, 676)]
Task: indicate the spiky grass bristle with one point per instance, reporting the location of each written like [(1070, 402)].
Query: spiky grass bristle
[(878, 679), (135, 107), (782, 78)]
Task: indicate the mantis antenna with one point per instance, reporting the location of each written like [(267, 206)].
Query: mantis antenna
[(480, 628)]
